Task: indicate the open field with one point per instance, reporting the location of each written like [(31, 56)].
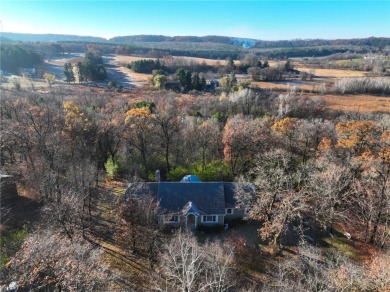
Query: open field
[(25, 83), (333, 73), (213, 62), (358, 103)]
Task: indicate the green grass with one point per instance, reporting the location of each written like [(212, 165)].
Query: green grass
[(24, 83), (349, 62), (341, 245), (10, 243)]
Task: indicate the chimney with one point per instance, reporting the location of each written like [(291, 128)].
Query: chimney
[(158, 178)]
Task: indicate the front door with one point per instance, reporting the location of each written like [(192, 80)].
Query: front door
[(191, 221)]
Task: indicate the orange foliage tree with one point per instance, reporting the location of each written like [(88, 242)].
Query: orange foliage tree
[(138, 131), (357, 136)]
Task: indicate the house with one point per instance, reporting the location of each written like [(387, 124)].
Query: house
[(192, 202)]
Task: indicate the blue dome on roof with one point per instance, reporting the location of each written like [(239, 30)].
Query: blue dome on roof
[(190, 178)]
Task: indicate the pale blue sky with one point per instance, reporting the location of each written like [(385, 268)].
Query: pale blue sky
[(266, 20)]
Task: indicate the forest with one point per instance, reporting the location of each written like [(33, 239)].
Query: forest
[(310, 136), (321, 179)]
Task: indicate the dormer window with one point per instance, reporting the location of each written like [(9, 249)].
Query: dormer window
[(229, 211)]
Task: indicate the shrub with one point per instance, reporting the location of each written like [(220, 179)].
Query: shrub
[(363, 85), (113, 167), (213, 171)]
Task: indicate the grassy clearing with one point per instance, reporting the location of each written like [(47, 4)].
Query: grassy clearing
[(342, 245), (10, 243), (349, 63), (25, 83)]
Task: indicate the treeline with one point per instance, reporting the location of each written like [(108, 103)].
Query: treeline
[(305, 52), (13, 58), (50, 38), (145, 66), (372, 41), (363, 85), (161, 38)]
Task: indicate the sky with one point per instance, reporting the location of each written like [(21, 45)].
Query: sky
[(265, 20)]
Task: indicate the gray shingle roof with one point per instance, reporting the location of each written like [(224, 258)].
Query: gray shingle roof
[(174, 197), (230, 190), (209, 197)]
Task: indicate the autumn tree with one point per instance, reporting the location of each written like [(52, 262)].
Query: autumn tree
[(242, 138), (357, 136), (167, 119), (280, 196), (139, 126), (286, 129), (204, 137), (310, 134)]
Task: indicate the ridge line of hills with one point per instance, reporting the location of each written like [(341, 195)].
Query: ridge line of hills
[(9, 37)]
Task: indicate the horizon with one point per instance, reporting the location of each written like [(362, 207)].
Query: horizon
[(259, 20), (107, 39)]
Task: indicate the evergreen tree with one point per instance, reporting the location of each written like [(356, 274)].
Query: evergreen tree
[(68, 72)]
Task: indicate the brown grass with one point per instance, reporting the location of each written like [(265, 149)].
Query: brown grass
[(358, 103), (129, 59), (333, 73), (286, 85)]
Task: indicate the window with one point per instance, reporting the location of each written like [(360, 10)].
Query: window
[(209, 218), (173, 219), (229, 211)]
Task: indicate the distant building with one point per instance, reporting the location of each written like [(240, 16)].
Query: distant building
[(28, 72)]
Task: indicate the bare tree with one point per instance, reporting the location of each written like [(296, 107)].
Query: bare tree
[(331, 187), (280, 198), (188, 266), (51, 262), (141, 219), (311, 270)]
